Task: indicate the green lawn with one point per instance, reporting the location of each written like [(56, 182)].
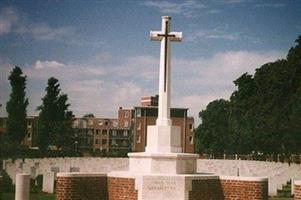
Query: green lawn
[(35, 196)]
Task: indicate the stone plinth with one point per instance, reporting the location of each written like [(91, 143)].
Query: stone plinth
[(163, 163), (81, 186), (297, 190), (164, 139)]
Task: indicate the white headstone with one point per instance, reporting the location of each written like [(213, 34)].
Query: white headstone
[(22, 187)]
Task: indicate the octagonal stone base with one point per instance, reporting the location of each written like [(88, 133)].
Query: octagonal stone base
[(163, 163)]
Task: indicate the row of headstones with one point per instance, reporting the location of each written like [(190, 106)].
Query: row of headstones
[(278, 173), (36, 167)]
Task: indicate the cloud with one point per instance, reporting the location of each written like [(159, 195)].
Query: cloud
[(141, 67), (213, 11), (15, 21), (5, 69), (102, 87), (42, 31), (221, 32), (187, 8), (8, 18), (269, 5), (204, 35), (199, 81), (47, 64)]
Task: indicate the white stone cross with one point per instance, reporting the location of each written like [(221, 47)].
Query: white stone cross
[(164, 80)]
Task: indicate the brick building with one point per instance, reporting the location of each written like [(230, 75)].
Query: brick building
[(146, 115), (31, 128), (83, 134), (126, 133), (101, 135)]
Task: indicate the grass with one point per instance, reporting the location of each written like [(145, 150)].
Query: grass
[(34, 196)]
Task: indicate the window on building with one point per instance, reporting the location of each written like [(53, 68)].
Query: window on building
[(191, 126), (29, 123), (90, 132), (106, 123), (97, 141), (114, 133), (100, 122), (138, 114), (28, 135), (84, 124), (126, 114), (90, 122), (104, 132), (126, 123), (114, 142), (104, 141), (125, 133), (98, 131), (115, 123), (138, 139), (190, 140), (124, 143), (75, 124), (1, 122), (139, 126)]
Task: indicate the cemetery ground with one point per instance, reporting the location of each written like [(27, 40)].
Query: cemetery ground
[(45, 196), (33, 196)]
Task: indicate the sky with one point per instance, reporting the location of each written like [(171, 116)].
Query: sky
[(101, 53)]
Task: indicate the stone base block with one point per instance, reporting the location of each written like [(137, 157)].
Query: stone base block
[(165, 139), (161, 187), (163, 163)]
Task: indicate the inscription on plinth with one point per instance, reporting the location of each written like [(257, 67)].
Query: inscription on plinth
[(158, 187)]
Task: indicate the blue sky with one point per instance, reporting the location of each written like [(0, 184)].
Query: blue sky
[(101, 53)]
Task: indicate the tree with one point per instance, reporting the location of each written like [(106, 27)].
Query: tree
[(55, 120), (89, 115), (264, 111), (213, 133), (16, 107)]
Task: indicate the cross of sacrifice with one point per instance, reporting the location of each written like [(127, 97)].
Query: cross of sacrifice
[(164, 78)]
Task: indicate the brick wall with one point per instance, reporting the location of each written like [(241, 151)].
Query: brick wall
[(297, 190), (122, 189), (228, 189), (81, 188), (244, 189)]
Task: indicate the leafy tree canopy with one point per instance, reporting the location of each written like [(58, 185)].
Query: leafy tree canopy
[(263, 114)]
